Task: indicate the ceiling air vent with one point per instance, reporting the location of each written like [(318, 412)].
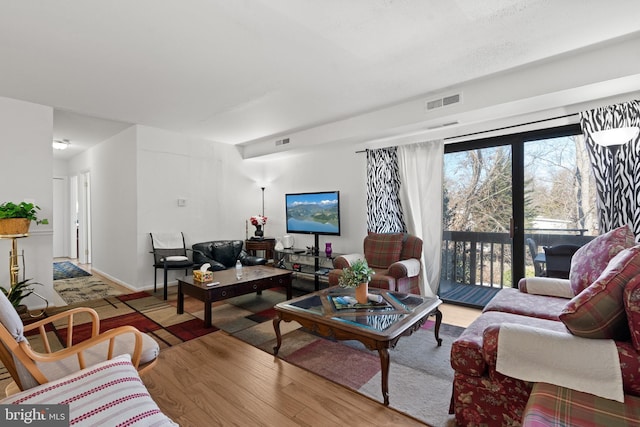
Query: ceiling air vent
[(442, 102), (282, 141)]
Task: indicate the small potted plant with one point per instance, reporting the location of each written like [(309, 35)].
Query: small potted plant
[(15, 218), (357, 276), (16, 293)]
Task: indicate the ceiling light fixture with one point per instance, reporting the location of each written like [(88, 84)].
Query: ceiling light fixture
[(60, 144)]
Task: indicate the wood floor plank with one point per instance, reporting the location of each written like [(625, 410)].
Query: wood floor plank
[(220, 380)]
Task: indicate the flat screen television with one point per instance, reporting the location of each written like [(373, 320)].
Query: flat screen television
[(313, 213)]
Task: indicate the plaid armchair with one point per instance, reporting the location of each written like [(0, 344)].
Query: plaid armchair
[(395, 257)]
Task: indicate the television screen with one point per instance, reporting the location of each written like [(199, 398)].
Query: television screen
[(313, 213)]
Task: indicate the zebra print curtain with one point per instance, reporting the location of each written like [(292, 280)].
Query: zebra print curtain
[(384, 210), (626, 189)]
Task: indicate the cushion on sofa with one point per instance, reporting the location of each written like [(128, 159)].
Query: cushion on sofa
[(109, 393), (510, 300), (598, 311), (550, 405), (632, 308), (591, 259), (382, 250), (226, 252)]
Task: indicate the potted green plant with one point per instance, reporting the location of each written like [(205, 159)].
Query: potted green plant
[(357, 276), (16, 293), (15, 218)]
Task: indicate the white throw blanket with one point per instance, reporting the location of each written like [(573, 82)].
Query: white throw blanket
[(412, 265), (539, 355), (167, 240), (351, 258)]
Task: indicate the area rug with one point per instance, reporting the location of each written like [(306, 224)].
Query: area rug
[(142, 310), (67, 270), (85, 288)]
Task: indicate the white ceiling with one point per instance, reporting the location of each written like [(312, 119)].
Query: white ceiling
[(237, 71)]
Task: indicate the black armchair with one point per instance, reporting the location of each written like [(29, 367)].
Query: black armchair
[(558, 260), (223, 254)]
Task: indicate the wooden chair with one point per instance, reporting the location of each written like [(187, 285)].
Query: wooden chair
[(29, 367)]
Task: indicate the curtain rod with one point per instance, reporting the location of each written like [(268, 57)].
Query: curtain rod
[(501, 128), (511, 126)]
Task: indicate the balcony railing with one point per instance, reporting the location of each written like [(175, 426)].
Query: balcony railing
[(484, 259)]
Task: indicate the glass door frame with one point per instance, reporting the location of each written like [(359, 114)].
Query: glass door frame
[(516, 141)]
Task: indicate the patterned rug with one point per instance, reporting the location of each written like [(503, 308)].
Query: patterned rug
[(146, 312), (67, 270), (81, 289)]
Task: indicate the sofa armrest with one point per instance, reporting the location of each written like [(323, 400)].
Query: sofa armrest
[(252, 260), (548, 286), (405, 268)]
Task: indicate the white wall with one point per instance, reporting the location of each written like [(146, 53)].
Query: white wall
[(112, 167), (139, 175), (219, 192), (26, 131), (339, 168)]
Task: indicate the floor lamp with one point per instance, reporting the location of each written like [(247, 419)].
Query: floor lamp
[(612, 139)]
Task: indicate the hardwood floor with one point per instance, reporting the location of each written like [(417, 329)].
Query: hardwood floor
[(218, 380)]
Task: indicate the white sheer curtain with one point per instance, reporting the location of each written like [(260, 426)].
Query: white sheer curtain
[(421, 197)]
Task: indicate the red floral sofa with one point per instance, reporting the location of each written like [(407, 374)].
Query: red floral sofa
[(600, 301)]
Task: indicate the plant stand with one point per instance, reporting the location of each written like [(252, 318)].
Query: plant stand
[(14, 268)]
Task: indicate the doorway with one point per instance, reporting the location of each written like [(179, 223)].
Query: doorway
[(83, 218), (72, 217)]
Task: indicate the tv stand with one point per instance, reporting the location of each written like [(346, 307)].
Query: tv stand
[(306, 262)]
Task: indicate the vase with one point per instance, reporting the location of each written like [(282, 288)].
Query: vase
[(361, 293), (327, 249), (279, 246), (258, 232)]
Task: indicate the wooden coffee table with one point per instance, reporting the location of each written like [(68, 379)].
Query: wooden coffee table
[(254, 279), (378, 328)]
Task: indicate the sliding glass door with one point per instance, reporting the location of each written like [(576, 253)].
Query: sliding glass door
[(559, 203), (477, 214), (502, 193)]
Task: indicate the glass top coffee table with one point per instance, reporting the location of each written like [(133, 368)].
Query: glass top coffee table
[(378, 326)]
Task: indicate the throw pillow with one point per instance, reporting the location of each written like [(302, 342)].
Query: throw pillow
[(591, 259), (10, 319), (598, 311), (382, 250), (632, 309)]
